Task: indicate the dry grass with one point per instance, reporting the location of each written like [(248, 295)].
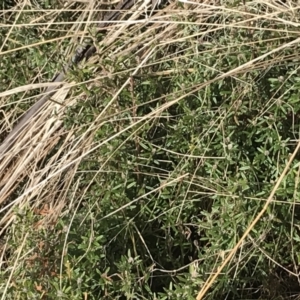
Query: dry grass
[(39, 171), (43, 133)]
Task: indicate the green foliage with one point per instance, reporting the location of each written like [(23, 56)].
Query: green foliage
[(162, 201)]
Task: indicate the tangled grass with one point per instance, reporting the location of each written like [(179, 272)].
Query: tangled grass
[(167, 165)]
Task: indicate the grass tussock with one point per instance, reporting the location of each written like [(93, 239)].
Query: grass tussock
[(164, 167)]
